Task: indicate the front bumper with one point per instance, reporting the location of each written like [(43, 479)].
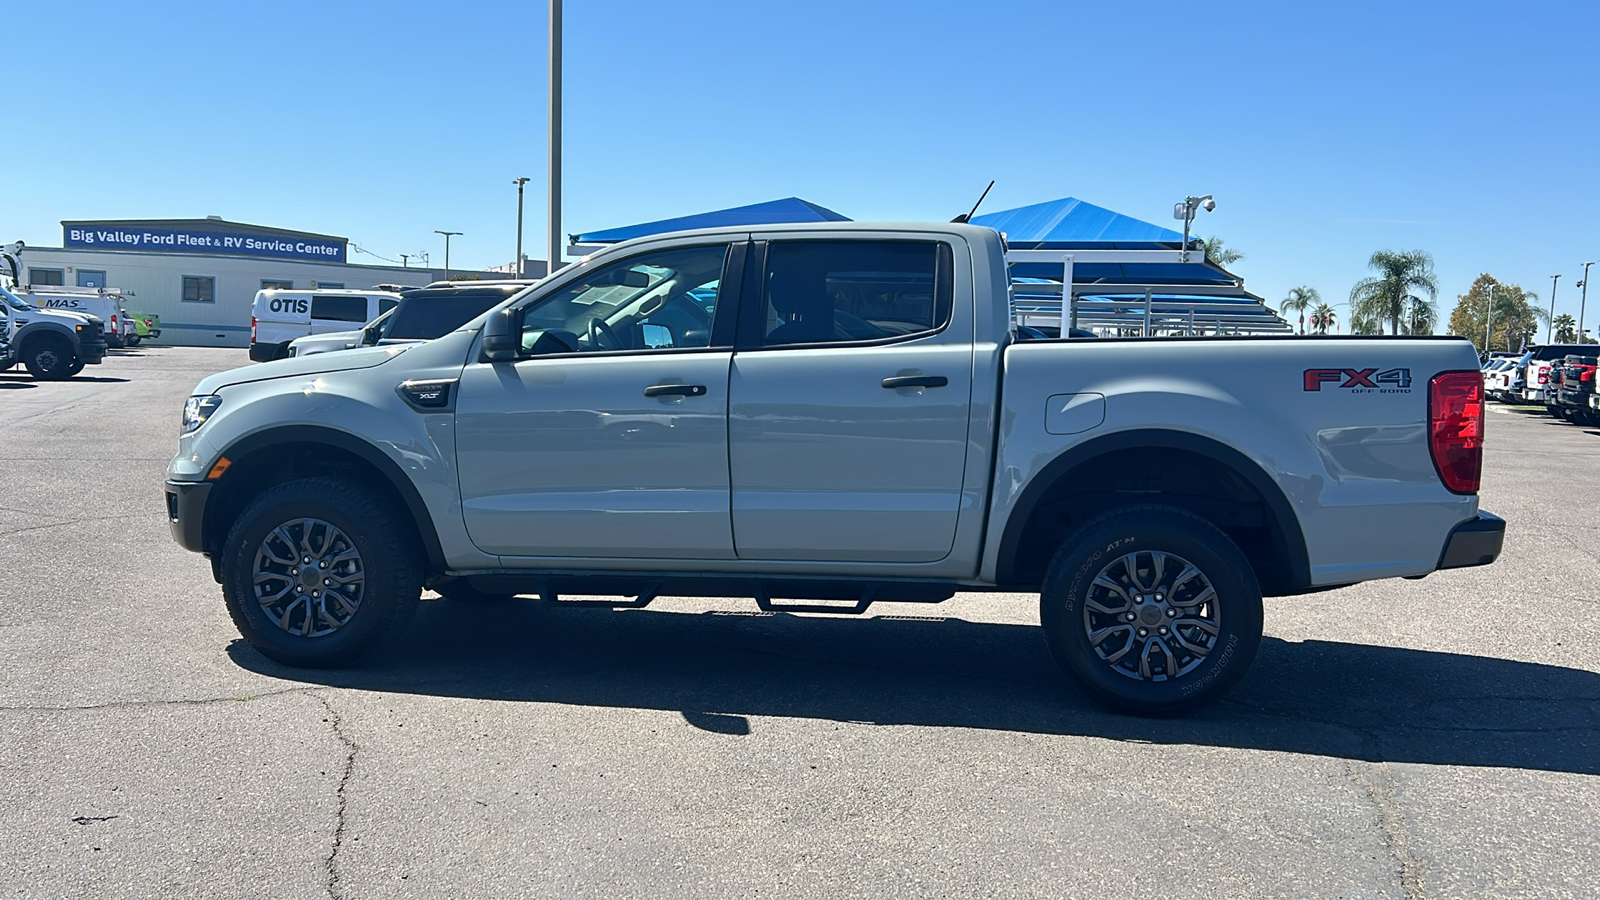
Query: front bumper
[(91, 352), (186, 513), (263, 352), (1475, 542)]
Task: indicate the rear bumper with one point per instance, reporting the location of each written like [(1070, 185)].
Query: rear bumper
[(186, 512), (1533, 395), (1475, 542)]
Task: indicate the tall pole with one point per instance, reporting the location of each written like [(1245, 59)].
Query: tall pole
[(447, 235), (1583, 302), (553, 224), (517, 265), (1549, 329), (1488, 319)]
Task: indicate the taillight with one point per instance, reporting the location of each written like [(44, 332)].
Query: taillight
[(1544, 374), (252, 329), (1455, 429), (113, 323)]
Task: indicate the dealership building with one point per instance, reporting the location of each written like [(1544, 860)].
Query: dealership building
[(201, 275)]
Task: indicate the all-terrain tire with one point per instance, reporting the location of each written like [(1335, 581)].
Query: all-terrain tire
[(1166, 616), (373, 536)]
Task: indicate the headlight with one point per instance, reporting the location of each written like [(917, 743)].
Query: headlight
[(196, 410)]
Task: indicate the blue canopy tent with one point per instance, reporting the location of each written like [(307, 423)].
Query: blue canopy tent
[(772, 212), (1122, 270)]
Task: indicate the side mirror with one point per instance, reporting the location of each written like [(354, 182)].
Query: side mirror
[(500, 343), (369, 336)]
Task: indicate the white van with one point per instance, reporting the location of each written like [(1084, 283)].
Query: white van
[(280, 316), (105, 303)]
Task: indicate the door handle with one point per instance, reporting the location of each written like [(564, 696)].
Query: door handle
[(900, 381), (681, 390)]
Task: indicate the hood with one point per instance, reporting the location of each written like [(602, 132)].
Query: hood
[(328, 336), (362, 358), (62, 316)]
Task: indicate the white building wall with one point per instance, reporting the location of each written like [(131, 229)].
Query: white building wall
[(155, 281)]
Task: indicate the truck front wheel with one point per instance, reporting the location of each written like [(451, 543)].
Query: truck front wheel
[(1151, 610), (49, 359), (316, 571)]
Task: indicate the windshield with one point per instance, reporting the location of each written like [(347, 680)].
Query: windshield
[(425, 315), (11, 300)]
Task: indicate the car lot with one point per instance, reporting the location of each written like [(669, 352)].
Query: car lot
[(1434, 738)]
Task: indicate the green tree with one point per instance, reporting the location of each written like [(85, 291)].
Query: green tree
[(1388, 296), (1219, 254), (1299, 300), (1566, 328), (1365, 325), (1322, 318), (1516, 317)]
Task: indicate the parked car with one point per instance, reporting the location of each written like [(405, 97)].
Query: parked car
[(847, 418), (1509, 380), (1576, 385), (148, 326), (52, 344), (279, 316), (1536, 376)]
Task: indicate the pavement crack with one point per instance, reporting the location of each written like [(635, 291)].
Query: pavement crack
[(336, 722), (1378, 784), (142, 704)]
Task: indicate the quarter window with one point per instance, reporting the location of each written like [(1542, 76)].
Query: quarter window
[(199, 289), (338, 309), (828, 292), (654, 301)]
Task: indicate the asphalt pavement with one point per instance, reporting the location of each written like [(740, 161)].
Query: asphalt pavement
[(1433, 738)]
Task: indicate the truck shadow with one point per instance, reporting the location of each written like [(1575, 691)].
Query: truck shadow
[(718, 669)]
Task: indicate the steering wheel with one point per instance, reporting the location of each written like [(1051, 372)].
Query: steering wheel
[(601, 334)]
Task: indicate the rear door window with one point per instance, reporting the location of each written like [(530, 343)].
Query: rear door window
[(832, 292), (331, 308)]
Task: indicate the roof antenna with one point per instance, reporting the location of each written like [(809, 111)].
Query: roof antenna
[(968, 216)]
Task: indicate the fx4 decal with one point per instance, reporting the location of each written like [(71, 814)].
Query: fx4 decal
[(1360, 381)]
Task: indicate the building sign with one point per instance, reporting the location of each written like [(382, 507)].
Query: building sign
[(183, 240)]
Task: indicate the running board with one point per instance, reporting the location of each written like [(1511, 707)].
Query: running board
[(792, 595)]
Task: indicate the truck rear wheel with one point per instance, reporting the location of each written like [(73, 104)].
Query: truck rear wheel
[(1151, 610), (317, 571), (49, 359)]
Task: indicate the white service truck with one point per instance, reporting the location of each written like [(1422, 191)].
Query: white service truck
[(822, 417), (52, 344), (279, 316)]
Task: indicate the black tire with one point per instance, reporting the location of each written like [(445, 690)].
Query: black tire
[(49, 359), (387, 555), (460, 591), (75, 368), (1235, 612), (133, 340)]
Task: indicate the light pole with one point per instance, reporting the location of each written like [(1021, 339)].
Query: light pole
[(1184, 211), (1549, 328), (1488, 319), (1583, 302), (447, 236), (405, 260), (553, 219), (517, 265)]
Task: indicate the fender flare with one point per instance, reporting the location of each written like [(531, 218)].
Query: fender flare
[(1287, 537), (343, 440)]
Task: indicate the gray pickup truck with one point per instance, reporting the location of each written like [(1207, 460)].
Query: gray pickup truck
[(52, 344), (820, 417)]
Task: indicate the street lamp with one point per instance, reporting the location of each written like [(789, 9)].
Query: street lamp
[(1549, 328), (1488, 318), (1184, 211), (553, 217), (447, 236), (517, 265), (1581, 303)]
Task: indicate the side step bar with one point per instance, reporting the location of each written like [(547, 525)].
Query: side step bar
[(798, 595)]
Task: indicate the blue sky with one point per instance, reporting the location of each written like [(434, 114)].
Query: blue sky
[(1325, 130)]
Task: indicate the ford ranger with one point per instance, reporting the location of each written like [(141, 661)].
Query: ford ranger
[(820, 417)]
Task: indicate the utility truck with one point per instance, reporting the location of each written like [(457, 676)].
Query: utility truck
[(52, 344), (820, 418)]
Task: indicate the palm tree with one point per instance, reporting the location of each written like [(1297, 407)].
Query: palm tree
[(1388, 295), (1322, 318), (1420, 316), (1217, 253), (1299, 300), (1566, 328)]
